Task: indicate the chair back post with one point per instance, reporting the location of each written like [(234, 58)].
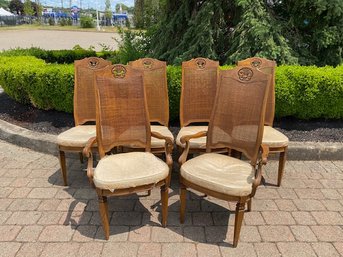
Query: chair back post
[(84, 96), (156, 87), (237, 119), (268, 67), (198, 90), (121, 109)]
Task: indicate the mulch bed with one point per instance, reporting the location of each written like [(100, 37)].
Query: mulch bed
[(54, 122)]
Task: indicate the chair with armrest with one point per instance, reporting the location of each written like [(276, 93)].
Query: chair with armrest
[(122, 119), (75, 139), (277, 142), (155, 82), (236, 123), (198, 90)]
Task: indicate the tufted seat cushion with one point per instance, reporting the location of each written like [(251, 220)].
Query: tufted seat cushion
[(220, 173), (76, 136), (163, 130), (127, 170), (274, 138), (197, 143)]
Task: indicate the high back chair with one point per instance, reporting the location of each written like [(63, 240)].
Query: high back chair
[(75, 139), (156, 87), (276, 141), (236, 123), (199, 86), (122, 119)]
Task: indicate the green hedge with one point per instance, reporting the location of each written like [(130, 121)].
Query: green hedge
[(301, 92), (31, 80)]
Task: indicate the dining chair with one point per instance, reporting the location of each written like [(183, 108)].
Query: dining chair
[(277, 141), (236, 123), (121, 119), (75, 138), (198, 90), (156, 87)]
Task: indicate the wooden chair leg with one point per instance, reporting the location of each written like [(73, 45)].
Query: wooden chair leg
[(249, 205), (149, 192), (62, 159), (164, 201), (282, 162), (238, 221), (103, 208), (81, 157), (183, 194)]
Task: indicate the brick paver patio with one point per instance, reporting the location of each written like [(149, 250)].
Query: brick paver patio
[(40, 217)]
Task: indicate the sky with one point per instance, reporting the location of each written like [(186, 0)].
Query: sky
[(86, 3)]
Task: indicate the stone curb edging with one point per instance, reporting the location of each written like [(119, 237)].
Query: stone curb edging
[(46, 143)]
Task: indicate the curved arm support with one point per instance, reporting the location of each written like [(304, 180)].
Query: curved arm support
[(185, 140), (87, 152), (263, 161), (168, 146)]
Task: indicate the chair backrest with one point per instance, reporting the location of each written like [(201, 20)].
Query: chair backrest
[(238, 114), (84, 97), (121, 108), (268, 67), (156, 88), (199, 85)]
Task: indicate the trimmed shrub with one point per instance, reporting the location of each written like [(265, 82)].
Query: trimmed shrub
[(52, 56), (30, 80), (86, 22), (301, 92)]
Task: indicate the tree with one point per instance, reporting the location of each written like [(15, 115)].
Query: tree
[(4, 4), (148, 12), (108, 12), (232, 30), (28, 10), (16, 6)]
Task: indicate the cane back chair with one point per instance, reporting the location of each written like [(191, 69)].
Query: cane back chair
[(121, 119), (199, 86), (236, 123), (277, 142), (156, 87), (75, 139)]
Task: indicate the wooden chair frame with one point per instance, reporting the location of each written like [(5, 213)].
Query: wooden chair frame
[(92, 64), (104, 193), (268, 67), (257, 161)]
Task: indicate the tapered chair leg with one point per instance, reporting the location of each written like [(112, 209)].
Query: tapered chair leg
[(238, 221), (183, 194), (103, 208), (249, 205), (282, 162), (81, 157), (164, 201), (62, 159)]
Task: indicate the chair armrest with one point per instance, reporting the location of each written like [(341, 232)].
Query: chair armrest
[(185, 140), (87, 152), (168, 146), (264, 153)]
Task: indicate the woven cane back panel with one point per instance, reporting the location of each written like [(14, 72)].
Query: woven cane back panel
[(268, 67), (122, 116), (238, 113), (84, 96), (199, 85), (155, 82)]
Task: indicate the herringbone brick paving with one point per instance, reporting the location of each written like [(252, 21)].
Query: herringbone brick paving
[(40, 217)]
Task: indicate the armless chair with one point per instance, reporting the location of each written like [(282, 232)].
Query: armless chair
[(199, 86), (155, 82), (277, 142), (236, 123), (122, 119), (75, 139)]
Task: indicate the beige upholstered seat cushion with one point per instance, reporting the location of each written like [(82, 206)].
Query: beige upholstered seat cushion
[(127, 170), (164, 131), (220, 173), (76, 136), (274, 138), (197, 143)]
